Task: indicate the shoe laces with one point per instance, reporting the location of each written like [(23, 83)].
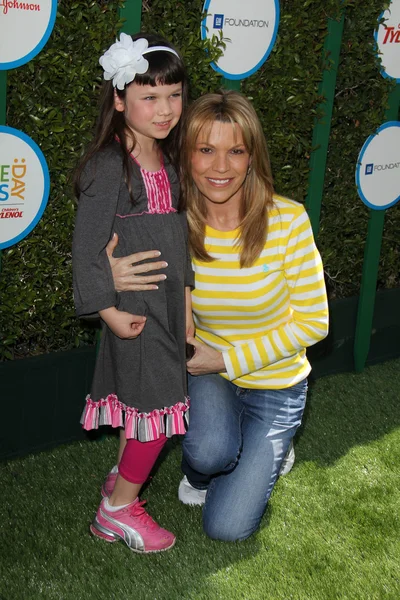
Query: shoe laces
[(143, 516)]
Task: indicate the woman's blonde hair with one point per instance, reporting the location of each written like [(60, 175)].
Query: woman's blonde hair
[(227, 106)]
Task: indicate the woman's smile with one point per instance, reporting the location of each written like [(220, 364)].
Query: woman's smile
[(219, 182)]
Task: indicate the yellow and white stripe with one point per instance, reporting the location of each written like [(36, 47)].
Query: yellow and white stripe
[(263, 317)]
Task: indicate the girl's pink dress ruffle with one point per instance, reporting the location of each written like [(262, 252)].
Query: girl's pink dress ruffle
[(144, 427)]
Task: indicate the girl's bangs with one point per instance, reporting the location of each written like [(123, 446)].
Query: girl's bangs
[(164, 69)]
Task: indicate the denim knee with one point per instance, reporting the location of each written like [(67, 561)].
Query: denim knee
[(207, 457), (217, 528)]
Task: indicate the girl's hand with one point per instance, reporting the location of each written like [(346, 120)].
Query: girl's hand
[(205, 360), (130, 278), (123, 324)]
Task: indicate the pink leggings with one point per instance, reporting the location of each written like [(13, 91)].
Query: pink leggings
[(138, 459)]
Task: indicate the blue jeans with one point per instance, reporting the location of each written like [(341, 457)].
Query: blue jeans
[(236, 442)]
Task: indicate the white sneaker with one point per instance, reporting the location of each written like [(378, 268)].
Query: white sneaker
[(288, 461), (190, 495)]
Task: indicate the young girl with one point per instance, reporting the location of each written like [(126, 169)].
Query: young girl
[(127, 184)]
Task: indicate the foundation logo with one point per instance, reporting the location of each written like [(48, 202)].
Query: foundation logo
[(249, 30), (24, 185), (387, 39), (369, 169), (378, 168), (218, 21), (25, 28)]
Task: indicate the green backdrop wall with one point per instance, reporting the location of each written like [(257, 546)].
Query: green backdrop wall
[(53, 99)]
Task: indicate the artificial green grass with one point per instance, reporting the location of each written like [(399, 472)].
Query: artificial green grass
[(331, 530)]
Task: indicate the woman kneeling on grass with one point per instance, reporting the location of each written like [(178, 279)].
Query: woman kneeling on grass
[(259, 301)]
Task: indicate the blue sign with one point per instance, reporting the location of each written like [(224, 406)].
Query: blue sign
[(24, 185), (25, 28), (378, 167), (387, 39), (249, 30)]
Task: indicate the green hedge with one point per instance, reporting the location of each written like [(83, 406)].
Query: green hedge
[(360, 106), (54, 100)]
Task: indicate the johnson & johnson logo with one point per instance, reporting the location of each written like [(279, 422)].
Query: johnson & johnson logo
[(7, 5)]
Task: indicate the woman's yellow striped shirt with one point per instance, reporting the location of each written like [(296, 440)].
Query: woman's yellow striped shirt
[(263, 317)]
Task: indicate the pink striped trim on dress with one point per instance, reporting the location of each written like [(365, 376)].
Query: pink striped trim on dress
[(158, 190), (145, 427)]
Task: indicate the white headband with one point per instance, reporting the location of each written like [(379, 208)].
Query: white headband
[(124, 59)]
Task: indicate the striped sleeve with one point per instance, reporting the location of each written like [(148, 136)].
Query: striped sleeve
[(308, 306)]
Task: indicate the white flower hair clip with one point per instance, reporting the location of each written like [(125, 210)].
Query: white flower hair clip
[(124, 59)]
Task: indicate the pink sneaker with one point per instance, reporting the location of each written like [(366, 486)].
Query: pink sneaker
[(134, 526), (108, 485)]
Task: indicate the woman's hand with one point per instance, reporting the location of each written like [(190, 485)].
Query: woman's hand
[(190, 328), (205, 360), (128, 277), (123, 324)]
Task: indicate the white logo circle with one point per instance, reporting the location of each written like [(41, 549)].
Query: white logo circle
[(249, 30), (378, 167), (25, 28), (387, 38), (24, 185)]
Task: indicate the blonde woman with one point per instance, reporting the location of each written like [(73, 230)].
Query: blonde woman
[(259, 301)]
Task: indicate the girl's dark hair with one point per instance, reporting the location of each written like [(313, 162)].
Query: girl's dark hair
[(164, 68)]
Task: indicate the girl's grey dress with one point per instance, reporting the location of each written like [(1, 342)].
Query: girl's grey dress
[(139, 384)]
